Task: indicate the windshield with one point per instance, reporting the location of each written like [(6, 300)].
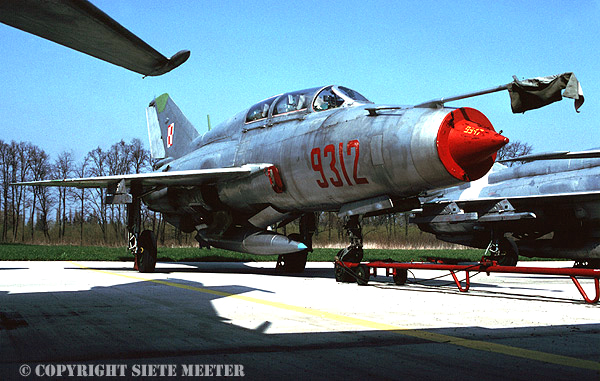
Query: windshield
[(355, 95), (333, 97), (327, 99)]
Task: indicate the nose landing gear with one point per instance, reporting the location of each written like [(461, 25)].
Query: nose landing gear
[(353, 253)]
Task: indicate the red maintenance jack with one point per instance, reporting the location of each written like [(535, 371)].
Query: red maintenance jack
[(361, 272)]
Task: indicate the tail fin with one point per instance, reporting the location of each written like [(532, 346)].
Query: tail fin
[(169, 130)]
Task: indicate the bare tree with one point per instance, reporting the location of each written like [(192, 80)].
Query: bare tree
[(20, 172), (63, 166), (139, 156), (512, 150), (98, 167), (19, 206), (6, 158), (39, 163), (43, 171), (79, 195), (118, 159)]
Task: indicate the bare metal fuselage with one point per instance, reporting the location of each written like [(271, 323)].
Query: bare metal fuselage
[(325, 160), (320, 149)]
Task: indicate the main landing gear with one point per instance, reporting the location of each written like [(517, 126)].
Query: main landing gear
[(503, 250), (145, 255), (141, 245), (296, 262), (353, 253)]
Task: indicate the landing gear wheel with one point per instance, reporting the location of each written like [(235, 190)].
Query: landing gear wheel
[(362, 275), (146, 258), (508, 253), (293, 263), (400, 276), (351, 254), (504, 251), (342, 274)]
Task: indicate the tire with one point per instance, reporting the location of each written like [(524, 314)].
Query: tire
[(362, 275), (508, 253), (295, 262), (400, 276), (342, 275), (147, 252)]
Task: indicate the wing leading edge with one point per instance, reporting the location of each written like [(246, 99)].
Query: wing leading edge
[(174, 178)]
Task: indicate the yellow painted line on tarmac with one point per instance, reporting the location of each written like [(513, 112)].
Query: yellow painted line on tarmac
[(421, 334)]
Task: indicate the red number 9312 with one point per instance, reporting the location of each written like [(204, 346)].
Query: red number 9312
[(335, 157)]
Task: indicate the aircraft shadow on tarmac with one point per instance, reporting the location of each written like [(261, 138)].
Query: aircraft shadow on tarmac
[(440, 284), (222, 268), (145, 323)]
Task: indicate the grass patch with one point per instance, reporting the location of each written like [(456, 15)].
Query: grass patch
[(21, 252)]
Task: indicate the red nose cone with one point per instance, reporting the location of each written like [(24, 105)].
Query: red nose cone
[(467, 144)]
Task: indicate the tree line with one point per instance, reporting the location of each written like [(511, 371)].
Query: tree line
[(37, 214), (62, 215)]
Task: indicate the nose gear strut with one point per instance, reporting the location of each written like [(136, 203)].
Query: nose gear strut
[(353, 253)]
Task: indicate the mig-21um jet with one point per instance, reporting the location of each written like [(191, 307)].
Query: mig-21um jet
[(284, 158), (290, 156)]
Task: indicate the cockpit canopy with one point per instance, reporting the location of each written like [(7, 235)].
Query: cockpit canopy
[(315, 99)]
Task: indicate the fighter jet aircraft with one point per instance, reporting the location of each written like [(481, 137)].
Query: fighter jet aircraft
[(286, 157), (289, 156), (321, 149), (548, 208)]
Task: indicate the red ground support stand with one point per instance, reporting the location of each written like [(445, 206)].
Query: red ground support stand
[(362, 272)]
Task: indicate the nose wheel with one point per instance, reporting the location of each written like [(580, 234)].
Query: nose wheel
[(353, 253)]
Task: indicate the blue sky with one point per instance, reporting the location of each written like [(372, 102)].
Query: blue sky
[(244, 51)]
